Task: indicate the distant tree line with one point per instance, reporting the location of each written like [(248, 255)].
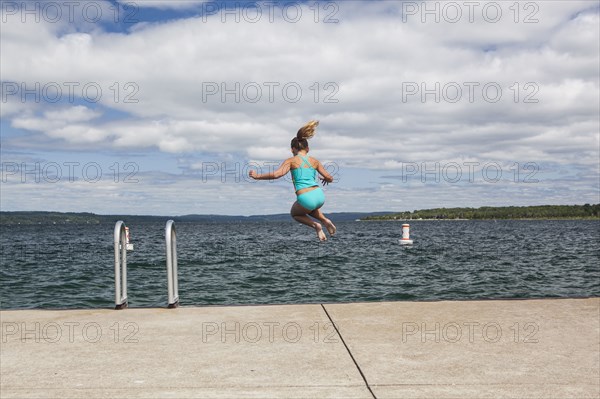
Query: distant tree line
[(586, 211), (34, 218), (47, 218), (27, 217)]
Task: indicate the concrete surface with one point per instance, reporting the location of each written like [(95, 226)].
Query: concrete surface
[(476, 349), (467, 349)]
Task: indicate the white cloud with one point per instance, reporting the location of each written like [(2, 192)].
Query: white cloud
[(156, 75), (77, 113), (165, 4)]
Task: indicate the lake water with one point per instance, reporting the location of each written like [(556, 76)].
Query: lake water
[(72, 266)]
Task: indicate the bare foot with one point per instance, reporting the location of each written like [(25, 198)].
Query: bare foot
[(320, 233), (330, 227)]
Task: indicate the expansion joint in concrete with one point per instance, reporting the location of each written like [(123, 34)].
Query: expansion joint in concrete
[(349, 352)]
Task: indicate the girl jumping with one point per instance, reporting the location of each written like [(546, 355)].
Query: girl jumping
[(310, 197)]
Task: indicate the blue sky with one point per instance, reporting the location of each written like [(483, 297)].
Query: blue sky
[(161, 107)]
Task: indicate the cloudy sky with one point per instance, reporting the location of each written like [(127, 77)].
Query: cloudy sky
[(162, 107)]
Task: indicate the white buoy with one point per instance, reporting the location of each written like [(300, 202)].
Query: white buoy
[(405, 240), (129, 246)]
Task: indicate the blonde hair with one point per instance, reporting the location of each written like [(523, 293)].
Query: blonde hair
[(300, 142)]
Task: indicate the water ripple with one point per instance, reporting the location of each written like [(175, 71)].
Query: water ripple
[(261, 263)]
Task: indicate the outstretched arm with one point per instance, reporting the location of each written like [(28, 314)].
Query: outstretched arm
[(281, 171), (326, 178)]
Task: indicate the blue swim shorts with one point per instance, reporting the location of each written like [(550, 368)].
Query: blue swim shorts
[(313, 199)]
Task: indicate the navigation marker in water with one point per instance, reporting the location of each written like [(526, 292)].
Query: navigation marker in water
[(405, 240)]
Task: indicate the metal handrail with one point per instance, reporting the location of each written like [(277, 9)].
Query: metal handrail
[(172, 284), (122, 245), (120, 242)]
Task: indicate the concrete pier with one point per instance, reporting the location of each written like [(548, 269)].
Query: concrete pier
[(451, 349)]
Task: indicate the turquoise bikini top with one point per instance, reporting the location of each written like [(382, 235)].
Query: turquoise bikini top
[(304, 177)]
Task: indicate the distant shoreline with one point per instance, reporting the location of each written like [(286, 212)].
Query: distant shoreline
[(49, 217), (462, 220), (536, 212), (542, 212)]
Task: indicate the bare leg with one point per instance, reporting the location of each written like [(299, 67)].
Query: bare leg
[(317, 214), (300, 214)]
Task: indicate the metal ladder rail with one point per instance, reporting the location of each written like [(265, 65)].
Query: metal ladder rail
[(120, 241), (121, 246), (172, 283)]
